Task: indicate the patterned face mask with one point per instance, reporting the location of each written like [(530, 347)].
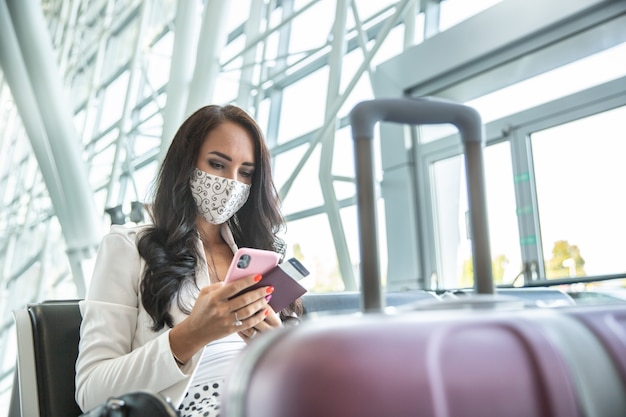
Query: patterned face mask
[(217, 198)]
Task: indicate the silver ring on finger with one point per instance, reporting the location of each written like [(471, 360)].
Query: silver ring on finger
[(237, 321)]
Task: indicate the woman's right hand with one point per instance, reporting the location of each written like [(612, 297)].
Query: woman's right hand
[(217, 313)]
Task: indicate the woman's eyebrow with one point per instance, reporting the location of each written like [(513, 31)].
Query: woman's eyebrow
[(221, 155), (229, 159)]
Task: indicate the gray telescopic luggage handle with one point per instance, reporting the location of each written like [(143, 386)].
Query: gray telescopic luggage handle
[(363, 118)]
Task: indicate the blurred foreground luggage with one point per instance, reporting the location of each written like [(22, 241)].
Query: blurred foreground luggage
[(485, 356)]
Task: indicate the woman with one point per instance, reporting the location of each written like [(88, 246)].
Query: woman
[(158, 315)]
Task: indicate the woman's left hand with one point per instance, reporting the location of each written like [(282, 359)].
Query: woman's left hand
[(272, 321)]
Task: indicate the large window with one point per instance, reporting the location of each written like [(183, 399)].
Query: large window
[(580, 173), (559, 214), (553, 120)]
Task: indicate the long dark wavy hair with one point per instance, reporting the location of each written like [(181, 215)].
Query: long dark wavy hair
[(169, 245)]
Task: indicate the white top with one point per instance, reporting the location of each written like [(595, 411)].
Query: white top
[(217, 359), (118, 351)]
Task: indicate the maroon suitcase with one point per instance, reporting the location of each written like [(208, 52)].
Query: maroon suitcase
[(489, 363), (492, 359)]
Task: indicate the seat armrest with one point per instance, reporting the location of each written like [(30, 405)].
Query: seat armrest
[(25, 367)]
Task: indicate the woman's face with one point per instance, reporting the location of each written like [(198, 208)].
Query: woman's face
[(228, 151)]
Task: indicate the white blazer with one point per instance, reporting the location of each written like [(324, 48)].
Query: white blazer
[(118, 351)]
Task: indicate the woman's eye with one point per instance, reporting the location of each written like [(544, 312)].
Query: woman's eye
[(246, 174), (216, 165)]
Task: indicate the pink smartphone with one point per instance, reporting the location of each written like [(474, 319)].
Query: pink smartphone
[(284, 278), (248, 261)]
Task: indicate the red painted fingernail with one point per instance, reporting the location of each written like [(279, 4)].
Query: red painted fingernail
[(257, 278), (269, 290), (268, 298), (267, 311)]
